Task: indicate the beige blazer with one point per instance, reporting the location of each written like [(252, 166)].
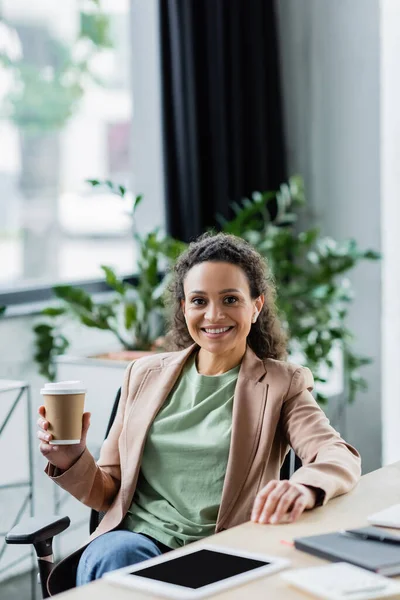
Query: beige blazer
[(273, 409)]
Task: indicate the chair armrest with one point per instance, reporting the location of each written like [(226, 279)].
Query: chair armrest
[(37, 529)]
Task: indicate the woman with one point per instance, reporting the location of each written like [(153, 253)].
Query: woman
[(201, 432)]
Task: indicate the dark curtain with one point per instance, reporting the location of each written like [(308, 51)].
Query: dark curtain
[(223, 132)]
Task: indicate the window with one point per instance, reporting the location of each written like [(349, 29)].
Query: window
[(65, 116)]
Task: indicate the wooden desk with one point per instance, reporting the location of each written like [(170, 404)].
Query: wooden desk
[(375, 491)]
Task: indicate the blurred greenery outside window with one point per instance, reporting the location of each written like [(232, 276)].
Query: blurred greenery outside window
[(65, 116)]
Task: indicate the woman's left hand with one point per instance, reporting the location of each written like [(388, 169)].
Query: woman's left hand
[(282, 501)]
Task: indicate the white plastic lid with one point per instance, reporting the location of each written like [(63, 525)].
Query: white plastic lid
[(64, 387)]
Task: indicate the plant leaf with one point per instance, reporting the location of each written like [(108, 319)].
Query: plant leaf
[(48, 343), (54, 311), (130, 315), (92, 322), (113, 281), (74, 296), (136, 202)]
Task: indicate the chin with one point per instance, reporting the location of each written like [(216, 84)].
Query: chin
[(218, 348)]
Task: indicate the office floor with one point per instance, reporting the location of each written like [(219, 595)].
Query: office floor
[(18, 588)]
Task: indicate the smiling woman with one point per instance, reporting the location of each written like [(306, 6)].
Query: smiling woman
[(219, 313), (238, 279), (211, 425)]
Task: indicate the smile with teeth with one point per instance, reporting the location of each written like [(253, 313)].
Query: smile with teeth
[(215, 330)]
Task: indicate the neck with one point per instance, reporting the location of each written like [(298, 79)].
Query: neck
[(217, 364)]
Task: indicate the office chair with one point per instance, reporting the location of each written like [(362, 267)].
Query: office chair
[(40, 531)]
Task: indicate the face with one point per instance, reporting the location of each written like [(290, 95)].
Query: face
[(218, 307)]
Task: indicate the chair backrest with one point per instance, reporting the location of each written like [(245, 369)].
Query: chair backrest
[(291, 464), (95, 516)]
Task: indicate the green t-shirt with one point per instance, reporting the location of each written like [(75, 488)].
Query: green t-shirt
[(184, 461)]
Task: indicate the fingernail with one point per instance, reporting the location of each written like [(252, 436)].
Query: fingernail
[(273, 519)]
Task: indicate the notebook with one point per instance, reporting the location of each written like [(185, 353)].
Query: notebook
[(342, 581), (389, 517), (380, 557)]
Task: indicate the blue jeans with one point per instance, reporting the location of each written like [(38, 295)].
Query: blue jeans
[(115, 550)]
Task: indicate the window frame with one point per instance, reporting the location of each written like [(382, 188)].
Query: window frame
[(31, 300)]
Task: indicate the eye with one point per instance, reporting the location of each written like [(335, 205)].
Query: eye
[(197, 301), (230, 300)]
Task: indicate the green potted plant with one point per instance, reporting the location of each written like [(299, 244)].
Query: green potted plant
[(133, 314), (314, 294)]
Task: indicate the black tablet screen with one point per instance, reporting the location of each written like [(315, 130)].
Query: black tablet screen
[(200, 568)]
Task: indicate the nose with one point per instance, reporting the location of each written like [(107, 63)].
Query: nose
[(214, 312)]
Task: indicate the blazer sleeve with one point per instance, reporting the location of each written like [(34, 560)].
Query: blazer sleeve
[(329, 463), (97, 484)]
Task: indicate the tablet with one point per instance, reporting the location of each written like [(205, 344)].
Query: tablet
[(196, 573)]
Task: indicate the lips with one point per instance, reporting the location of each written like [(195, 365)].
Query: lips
[(217, 330)]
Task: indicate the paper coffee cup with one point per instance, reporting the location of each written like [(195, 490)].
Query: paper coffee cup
[(64, 402)]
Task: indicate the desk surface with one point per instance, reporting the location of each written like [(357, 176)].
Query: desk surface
[(374, 492)]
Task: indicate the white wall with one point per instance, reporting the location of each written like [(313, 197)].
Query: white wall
[(331, 75)]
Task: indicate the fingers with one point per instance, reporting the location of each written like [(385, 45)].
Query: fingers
[(272, 502), (279, 502), (282, 513), (261, 498), (85, 426), (47, 449), (298, 508), (44, 437), (86, 421), (41, 422)]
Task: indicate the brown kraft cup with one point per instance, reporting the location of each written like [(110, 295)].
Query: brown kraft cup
[(64, 403)]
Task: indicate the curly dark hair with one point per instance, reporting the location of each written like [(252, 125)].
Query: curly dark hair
[(266, 338)]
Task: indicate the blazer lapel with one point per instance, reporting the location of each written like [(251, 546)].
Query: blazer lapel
[(248, 410)]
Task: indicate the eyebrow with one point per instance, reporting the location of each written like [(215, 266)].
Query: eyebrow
[(221, 292)]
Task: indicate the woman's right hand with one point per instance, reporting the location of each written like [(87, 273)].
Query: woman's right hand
[(61, 456)]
